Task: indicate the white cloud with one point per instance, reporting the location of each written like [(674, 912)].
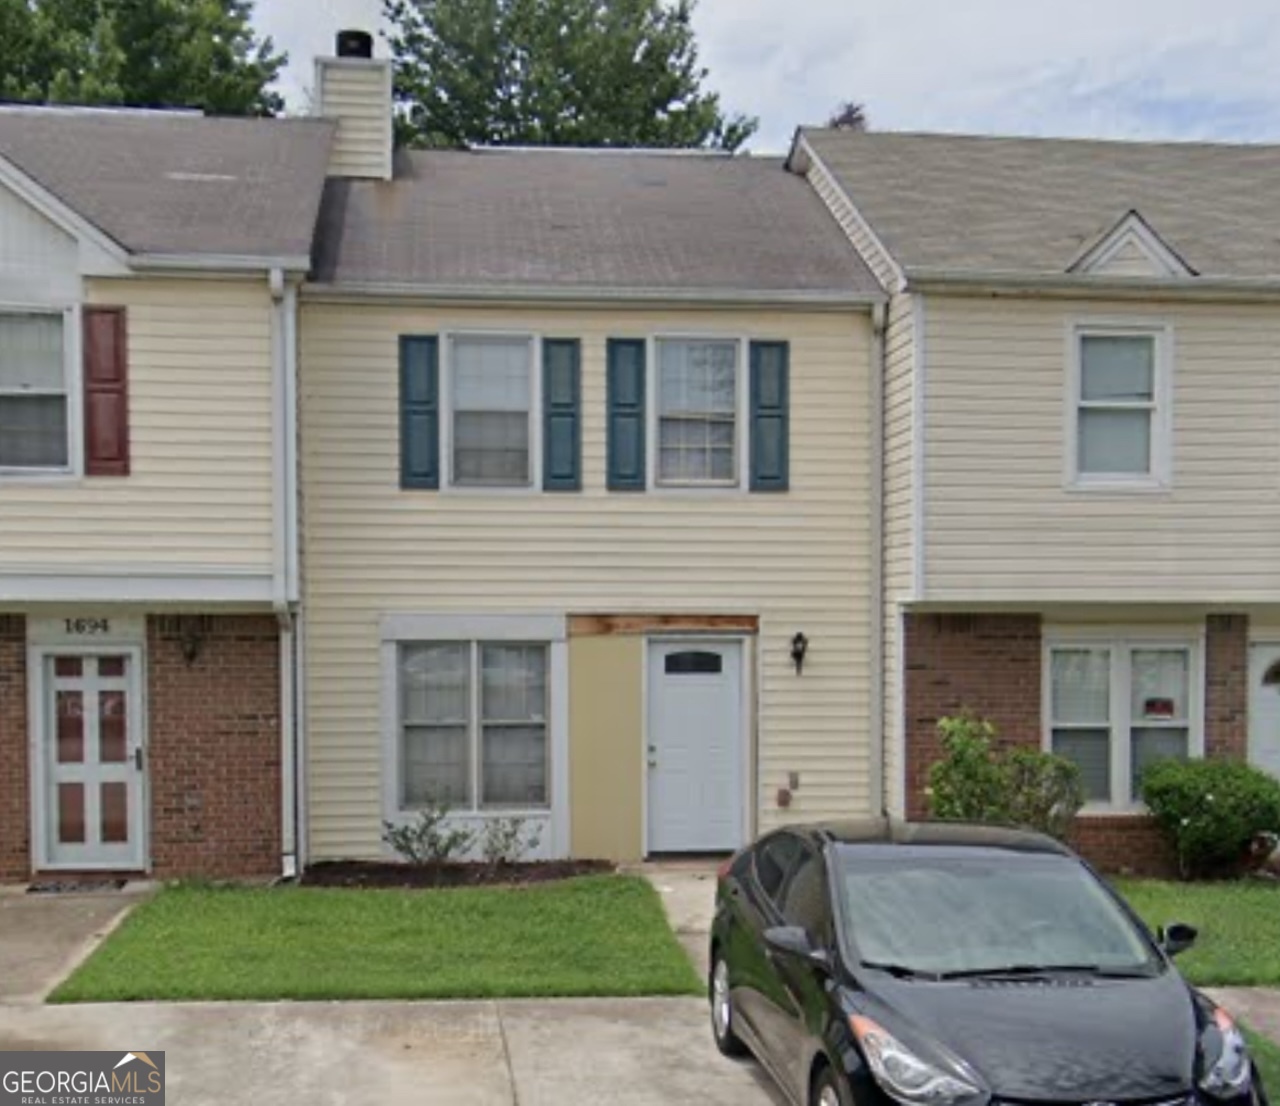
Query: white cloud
[(1121, 68)]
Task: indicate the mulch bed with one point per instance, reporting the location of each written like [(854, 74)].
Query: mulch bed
[(369, 873)]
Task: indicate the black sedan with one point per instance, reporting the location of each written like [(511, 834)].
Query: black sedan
[(945, 965)]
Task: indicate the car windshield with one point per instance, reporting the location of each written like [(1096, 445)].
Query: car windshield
[(970, 912)]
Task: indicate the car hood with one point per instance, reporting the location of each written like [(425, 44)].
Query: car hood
[(1067, 1039)]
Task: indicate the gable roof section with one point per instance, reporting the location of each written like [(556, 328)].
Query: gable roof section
[(1131, 247), (175, 185), (590, 225), (969, 207)]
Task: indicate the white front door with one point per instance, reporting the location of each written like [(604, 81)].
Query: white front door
[(1264, 707), (696, 747), (91, 806)]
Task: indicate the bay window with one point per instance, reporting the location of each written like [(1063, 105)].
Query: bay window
[(1116, 707)]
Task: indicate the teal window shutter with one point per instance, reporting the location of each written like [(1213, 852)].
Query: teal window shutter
[(626, 430), (419, 412), (562, 415), (770, 416)]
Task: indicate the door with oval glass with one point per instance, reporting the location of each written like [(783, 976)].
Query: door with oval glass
[(92, 810), (1264, 706), (696, 747)]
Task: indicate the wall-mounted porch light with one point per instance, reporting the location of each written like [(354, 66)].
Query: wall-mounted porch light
[(799, 649)]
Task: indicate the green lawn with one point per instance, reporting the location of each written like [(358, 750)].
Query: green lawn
[(604, 935), (1239, 926), (1267, 1056)]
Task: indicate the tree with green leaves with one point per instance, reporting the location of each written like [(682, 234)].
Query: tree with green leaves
[(554, 73), (141, 53)]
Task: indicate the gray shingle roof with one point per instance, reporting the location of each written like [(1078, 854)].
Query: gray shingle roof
[(568, 221), (179, 183), (1028, 206)]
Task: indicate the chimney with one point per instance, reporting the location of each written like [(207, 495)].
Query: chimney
[(354, 89)]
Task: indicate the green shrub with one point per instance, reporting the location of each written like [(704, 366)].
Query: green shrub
[(979, 781), (429, 838), (1211, 810)]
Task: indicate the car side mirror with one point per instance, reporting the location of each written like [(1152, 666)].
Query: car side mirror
[(1177, 938), (795, 941)]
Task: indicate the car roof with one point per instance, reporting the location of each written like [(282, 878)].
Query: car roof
[(881, 832)]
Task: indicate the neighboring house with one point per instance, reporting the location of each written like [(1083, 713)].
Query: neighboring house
[(1082, 449), (148, 564), (587, 442)]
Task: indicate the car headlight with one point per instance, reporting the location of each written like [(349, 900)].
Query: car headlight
[(1227, 1067), (907, 1077)]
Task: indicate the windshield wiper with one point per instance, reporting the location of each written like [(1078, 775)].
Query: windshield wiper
[(900, 971), (1024, 970)]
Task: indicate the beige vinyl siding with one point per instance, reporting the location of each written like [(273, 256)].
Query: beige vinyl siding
[(1129, 260), (1002, 523), (899, 521), (358, 95), (199, 497), (798, 560), (857, 230)]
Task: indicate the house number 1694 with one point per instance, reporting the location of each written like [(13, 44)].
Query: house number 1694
[(88, 627)]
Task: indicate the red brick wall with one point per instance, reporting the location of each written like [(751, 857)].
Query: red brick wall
[(988, 664), (1226, 705), (15, 820), (214, 739)]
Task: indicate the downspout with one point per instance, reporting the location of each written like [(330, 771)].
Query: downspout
[(281, 491), (879, 369)]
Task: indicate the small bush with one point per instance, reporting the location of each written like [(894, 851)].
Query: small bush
[(1211, 810), (508, 840), (978, 781), (428, 839)]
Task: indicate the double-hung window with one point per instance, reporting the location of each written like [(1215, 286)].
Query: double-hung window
[(473, 725), (491, 382), (697, 403), (1117, 707), (34, 393), (1120, 409)]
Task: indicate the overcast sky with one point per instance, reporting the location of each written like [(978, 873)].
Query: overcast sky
[(1113, 68)]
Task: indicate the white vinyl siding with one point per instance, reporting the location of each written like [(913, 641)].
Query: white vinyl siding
[(1114, 706), (35, 392), (798, 562), (1001, 526), (357, 93), (1120, 392), (199, 497)]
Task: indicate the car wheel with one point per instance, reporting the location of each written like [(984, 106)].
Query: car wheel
[(722, 1016), (826, 1090)]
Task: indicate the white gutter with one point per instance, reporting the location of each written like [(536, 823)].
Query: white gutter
[(879, 369), (1086, 285), (236, 264), (283, 509), (514, 295)]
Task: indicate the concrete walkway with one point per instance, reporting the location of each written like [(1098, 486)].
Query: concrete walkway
[(1257, 1007), (688, 892)]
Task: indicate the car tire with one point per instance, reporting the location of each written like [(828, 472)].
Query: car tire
[(722, 1015), (827, 1090)]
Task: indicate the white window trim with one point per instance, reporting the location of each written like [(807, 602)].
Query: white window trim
[(741, 429), (445, 383), (1160, 478), (1122, 642), (73, 375), (527, 629)]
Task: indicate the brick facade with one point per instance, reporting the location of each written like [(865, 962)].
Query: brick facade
[(213, 742), (990, 665), (214, 746), (15, 819)]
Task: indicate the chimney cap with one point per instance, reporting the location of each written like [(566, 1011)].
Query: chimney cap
[(355, 44)]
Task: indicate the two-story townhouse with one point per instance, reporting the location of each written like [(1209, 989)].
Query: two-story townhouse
[(149, 269), (1081, 436), (588, 494)]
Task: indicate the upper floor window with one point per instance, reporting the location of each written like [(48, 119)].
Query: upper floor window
[(34, 393), (698, 412), (1120, 407), (491, 388), (1116, 707)]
